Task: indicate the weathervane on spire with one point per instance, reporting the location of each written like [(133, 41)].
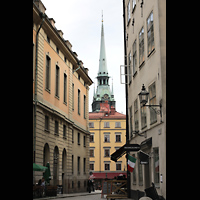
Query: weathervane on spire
[(102, 15)]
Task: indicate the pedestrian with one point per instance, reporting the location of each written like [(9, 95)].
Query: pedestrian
[(89, 185), (43, 186)]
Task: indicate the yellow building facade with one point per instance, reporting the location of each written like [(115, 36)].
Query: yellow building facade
[(60, 106), (107, 134)]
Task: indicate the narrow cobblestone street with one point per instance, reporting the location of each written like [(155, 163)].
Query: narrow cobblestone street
[(88, 197)]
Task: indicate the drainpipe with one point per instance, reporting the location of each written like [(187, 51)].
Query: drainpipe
[(42, 16), (126, 89)]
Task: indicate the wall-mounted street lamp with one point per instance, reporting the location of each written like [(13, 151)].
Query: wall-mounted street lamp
[(143, 96)]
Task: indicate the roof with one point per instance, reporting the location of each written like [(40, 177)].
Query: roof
[(97, 115)]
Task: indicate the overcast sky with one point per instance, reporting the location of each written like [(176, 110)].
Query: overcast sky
[(80, 21)]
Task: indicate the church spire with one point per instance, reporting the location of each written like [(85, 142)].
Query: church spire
[(102, 58), (103, 93)]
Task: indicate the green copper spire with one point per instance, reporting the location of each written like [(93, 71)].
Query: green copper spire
[(102, 58), (103, 92)]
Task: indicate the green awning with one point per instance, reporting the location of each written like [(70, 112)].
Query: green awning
[(37, 167)]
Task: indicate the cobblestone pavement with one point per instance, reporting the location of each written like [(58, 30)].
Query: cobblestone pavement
[(88, 197)]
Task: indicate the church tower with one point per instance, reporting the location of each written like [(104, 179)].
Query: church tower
[(103, 92)]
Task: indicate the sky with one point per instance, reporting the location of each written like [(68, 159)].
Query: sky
[(80, 22)]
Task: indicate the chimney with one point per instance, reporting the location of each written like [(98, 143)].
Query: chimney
[(52, 22), (60, 33), (112, 110), (68, 44), (40, 5), (86, 70), (81, 62)]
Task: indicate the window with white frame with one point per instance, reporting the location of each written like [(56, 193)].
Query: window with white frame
[(143, 116), (156, 166), (141, 46), (131, 119), (129, 66), (106, 137), (106, 124), (118, 137), (134, 57), (152, 101), (119, 165), (117, 124), (106, 165), (150, 33), (136, 118), (106, 152)]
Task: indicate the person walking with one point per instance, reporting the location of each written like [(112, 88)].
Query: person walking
[(89, 185)]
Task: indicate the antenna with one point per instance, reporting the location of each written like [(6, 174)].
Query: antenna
[(102, 15)]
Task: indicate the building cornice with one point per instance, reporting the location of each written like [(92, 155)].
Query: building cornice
[(60, 42)]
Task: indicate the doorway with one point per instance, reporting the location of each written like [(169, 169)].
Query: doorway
[(55, 165)]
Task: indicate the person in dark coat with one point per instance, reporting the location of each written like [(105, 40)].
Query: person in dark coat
[(89, 185)]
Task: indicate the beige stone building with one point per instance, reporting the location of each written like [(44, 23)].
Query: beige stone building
[(60, 106), (145, 44)]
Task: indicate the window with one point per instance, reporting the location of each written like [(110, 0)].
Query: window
[(46, 123), (84, 107), (91, 166), (140, 174), (79, 101), (72, 96), (141, 46), (65, 88), (91, 152), (91, 124), (79, 183), (143, 117), (129, 66), (117, 124), (92, 137), (64, 131), (106, 124), (106, 152), (152, 101), (106, 137), (57, 50), (150, 33), (72, 164), (84, 165), (57, 81), (48, 39), (131, 119), (72, 136), (107, 166), (134, 57), (84, 141), (117, 137), (156, 166), (134, 172), (56, 128), (48, 64), (118, 166), (128, 12), (78, 139), (136, 121), (78, 165)]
